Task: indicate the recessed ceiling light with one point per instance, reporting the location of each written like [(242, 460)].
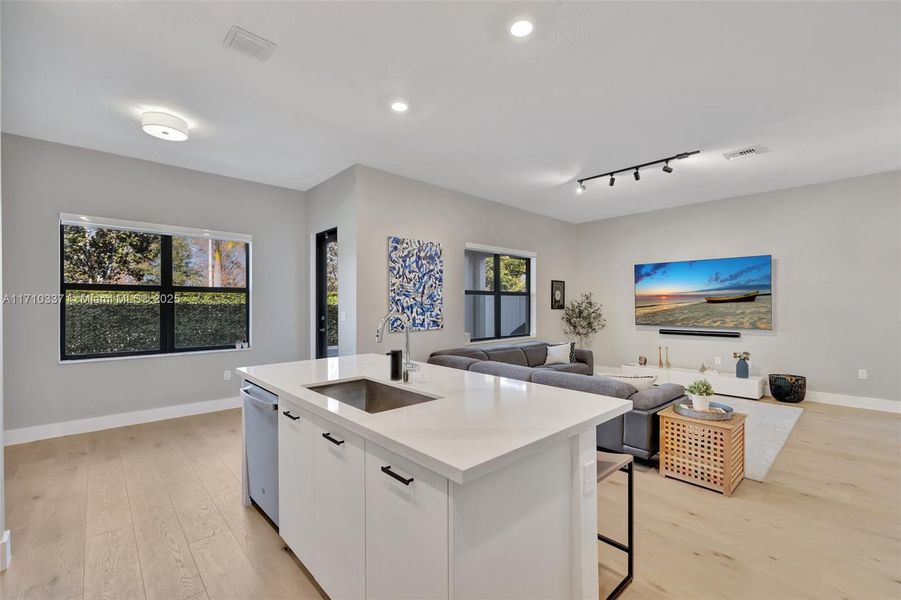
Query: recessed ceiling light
[(164, 126), (399, 106), (521, 28)]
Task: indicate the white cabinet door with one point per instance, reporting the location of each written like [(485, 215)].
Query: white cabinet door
[(406, 529), (295, 476), (339, 506)]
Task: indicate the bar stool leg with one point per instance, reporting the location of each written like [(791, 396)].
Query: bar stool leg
[(631, 543), (629, 547)]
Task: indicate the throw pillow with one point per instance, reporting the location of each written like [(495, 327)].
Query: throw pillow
[(639, 382), (558, 355)]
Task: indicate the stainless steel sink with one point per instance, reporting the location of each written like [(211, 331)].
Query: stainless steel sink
[(371, 396)]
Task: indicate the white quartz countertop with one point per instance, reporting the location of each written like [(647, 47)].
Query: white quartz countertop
[(479, 423)]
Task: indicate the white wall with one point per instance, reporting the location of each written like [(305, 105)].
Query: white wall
[(332, 204), (836, 251), (391, 205), (42, 179), (2, 463)]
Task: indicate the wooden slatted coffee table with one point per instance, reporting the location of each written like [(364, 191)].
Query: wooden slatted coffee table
[(706, 453)]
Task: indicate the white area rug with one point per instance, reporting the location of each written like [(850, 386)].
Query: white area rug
[(766, 430)]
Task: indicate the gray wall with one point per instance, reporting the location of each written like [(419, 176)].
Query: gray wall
[(391, 205), (836, 249), (42, 179), (2, 471), (330, 204)]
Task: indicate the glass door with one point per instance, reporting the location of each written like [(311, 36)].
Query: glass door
[(327, 294)]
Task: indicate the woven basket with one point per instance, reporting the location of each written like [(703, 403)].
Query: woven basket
[(788, 388)]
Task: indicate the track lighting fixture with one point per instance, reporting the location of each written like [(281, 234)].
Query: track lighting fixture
[(635, 169)]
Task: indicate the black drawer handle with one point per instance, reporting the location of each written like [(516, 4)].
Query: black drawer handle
[(288, 414), (387, 471), (329, 437)]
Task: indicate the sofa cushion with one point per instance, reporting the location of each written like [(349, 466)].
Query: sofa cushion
[(475, 353), (536, 353), (454, 362), (655, 396), (511, 356), (499, 369), (580, 368), (641, 382), (583, 383), (559, 354)]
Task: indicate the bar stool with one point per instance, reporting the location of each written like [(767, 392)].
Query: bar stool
[(608, 464)]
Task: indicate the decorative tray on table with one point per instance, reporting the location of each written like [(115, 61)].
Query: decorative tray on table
[(717, 411)]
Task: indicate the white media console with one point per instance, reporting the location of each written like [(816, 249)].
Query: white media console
[(724, 384)]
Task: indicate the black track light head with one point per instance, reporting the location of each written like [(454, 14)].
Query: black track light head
[(636, 175), (667, 168), (580, 188), (612, 180)]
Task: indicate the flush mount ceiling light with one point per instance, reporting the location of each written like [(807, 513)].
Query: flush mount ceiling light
[(635, 168), (521, 28), (399, 106), (164, 126)]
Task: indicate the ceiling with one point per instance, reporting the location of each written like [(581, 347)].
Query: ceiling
[(598, 86)]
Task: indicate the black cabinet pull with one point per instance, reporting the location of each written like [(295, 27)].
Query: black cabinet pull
[(329, 437), (387, 471), (288, 414)]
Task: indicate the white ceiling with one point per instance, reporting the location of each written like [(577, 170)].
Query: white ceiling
[(597, 86)]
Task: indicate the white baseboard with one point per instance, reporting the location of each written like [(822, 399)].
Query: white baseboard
[(881, 404), (52, 430), (5, 551)]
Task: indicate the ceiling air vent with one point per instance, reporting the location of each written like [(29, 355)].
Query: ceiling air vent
[(248, 43), (745, 152)]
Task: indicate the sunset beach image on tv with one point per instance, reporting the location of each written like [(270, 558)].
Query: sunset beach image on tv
[(723, 293)]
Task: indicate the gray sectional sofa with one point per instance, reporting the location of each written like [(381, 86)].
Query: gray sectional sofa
[(637, 432), (526, 354)]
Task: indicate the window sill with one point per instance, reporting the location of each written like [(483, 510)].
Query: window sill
[(79, 361), (512, 340)]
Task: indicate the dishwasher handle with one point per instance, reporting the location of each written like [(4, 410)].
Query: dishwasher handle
[(247, 395)]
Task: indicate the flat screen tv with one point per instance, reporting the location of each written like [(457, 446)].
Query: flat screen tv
[(717, 293)]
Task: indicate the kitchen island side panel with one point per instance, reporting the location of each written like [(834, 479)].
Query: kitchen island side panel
[(527, 530)]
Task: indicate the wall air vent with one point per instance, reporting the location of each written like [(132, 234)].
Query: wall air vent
[(745, 152), (248, 43)]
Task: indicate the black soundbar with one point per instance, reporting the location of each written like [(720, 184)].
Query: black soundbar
[(695, 332)]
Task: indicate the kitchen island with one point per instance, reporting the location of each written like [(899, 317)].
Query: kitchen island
[(456, 485)]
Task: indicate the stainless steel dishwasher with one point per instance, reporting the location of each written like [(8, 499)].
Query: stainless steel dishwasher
[(261, 443)]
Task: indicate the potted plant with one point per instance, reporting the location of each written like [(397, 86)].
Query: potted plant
[(700, 392), (583, 318)]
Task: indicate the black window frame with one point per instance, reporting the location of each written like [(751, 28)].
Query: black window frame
[(498, 294), (166, 290)]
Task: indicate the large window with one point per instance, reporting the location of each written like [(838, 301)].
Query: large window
[(143, 289), (498, 295)]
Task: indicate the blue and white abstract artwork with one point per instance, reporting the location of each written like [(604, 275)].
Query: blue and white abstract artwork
[(416, 283)]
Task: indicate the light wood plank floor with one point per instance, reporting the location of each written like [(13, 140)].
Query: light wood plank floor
[(153, 511)]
